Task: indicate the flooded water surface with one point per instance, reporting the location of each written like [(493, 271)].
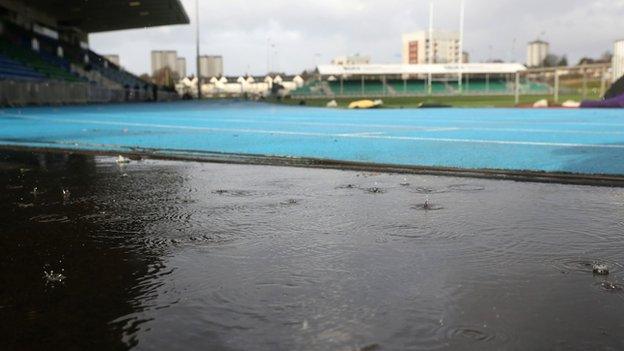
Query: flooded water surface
[(154, 255)]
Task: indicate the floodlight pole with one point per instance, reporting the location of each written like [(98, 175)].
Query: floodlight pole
[(199, 94), (430, 78), (461, 43), (268, 58)]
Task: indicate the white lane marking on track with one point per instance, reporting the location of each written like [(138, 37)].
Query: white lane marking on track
[(424, 128), (411, 127), (279, 132), (361, 134), (390, 126)]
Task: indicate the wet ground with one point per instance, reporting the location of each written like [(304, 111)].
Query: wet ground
[(156, 255)]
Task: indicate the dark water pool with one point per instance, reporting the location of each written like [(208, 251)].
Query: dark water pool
[(159, 255)]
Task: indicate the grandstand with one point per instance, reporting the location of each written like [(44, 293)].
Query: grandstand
[(45, 57), (333, 81)]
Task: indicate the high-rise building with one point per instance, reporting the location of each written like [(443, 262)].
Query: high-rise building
[(618, 60), (537, 51), (210, 66), (445, 46), (181, 67), (164, 58), (113, 58)]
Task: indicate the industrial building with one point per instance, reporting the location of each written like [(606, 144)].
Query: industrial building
[(45, 56), (210, 66), (181, 67), (537, 51), (444, 47), (168, 59)]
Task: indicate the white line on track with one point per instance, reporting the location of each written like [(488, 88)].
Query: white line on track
[(419, 128), (329, 135)]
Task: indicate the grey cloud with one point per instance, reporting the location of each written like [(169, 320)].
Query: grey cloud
[(238, 29)]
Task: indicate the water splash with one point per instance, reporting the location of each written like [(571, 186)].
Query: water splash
[(54, 278)]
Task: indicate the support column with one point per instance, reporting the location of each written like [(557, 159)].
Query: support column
[(341, 85), (363, 86), (517, 87), (556, 86), (430, 84), (384, 87), (487, 82)]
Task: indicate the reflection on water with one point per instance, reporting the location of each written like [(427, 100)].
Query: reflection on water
[(170, 255)]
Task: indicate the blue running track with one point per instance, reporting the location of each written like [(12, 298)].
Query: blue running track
[(578, 141)]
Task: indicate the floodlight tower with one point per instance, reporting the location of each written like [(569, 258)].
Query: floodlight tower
[(431, 47), (462, 9), (199, 94)]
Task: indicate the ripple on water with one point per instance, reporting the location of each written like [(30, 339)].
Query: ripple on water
[(428, 190), (234, 193), (375, 190), (465, 188), (610, 287), (428, 207), (584, 265), (290, 202), (473, 334), (348, 186), (165, 243), (50, 218)]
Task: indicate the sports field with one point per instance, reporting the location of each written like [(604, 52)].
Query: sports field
[(555, 140)]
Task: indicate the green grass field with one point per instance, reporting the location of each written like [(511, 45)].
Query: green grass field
[(454, 101)]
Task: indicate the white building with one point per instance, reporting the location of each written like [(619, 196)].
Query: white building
[(114, 59), (181, 67), (210, 66), (222, 87), (618, 60), (164, 58), (352, 60), (536, 53), (445, 47)]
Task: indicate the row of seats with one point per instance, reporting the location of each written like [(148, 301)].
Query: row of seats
[(11, 69), (355, 88), (46, 64), (371, 87), (34, 61)]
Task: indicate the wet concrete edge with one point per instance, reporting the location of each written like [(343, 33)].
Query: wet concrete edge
[(248, 159)]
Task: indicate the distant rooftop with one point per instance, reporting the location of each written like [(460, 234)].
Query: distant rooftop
[(399, 69), (538, 41)]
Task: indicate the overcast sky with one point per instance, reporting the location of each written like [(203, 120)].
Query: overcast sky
[(308, 32)]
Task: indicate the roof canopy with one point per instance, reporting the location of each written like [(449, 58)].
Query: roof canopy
[(397, 69), (107, 15)]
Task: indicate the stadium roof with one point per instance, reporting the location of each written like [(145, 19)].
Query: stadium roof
[(398, 69), (107, 15)]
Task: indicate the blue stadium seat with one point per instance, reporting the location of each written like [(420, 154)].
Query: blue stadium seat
[(12, 69)]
